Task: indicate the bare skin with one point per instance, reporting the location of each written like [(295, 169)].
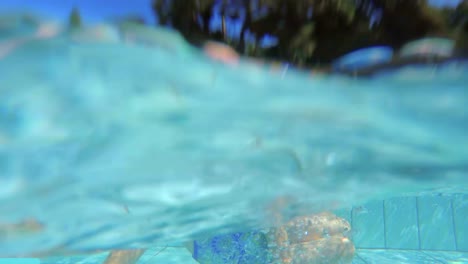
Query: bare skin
[(124, 256)]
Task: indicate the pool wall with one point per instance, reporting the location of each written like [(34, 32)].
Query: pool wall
[(430, 222)]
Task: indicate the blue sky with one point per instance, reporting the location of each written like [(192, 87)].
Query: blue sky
[(91, 10), (96, 10)]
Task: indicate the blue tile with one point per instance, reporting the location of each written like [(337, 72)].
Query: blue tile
[(357, 259), (449, 257), (460, 215), (436, 230), (368, 225), (167, 255), (375, 256), (401, 223), (88, 259)]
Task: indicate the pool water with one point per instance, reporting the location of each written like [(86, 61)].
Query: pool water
[(117, 145)]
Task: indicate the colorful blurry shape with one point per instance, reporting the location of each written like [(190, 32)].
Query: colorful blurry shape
[(364, 58), (221, 52), (428, 47), (124, 256), (237, 248)]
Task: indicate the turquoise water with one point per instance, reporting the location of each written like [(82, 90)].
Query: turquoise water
[(122, 146), (177, 255)]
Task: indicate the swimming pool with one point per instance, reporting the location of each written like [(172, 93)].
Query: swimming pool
[(111, 145)]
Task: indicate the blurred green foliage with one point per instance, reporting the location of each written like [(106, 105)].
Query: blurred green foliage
[(313, 32), (74, 20)]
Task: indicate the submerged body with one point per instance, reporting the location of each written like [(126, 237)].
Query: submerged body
[(125, 256)]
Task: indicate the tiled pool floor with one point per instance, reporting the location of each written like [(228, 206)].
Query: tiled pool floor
[(383, 256), (176, 255)]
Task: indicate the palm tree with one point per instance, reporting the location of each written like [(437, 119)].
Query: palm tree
[(308, 32)]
